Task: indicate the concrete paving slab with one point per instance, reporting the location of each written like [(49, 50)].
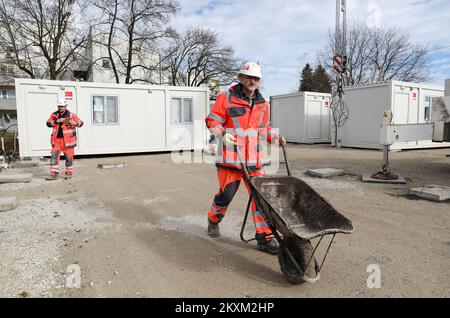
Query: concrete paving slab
[(111, 165), (368, 178), (432, 192), (8, 203), (24, 164), (16, 178), (325, 172)]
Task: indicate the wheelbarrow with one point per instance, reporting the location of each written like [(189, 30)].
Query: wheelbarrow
[(295, 214)]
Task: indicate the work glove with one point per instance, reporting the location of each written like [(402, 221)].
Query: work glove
[(71, 122), (279, 140), (229, 139), (212, 148)]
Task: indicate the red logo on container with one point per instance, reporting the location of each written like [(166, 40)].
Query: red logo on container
[(68, 94), (414, 95), (325, 103)]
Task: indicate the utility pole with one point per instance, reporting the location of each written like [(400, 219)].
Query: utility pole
[(337, 31), (339, 109), (340, 40)]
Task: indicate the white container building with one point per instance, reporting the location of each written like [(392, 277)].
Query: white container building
[(302, 117), (118, 118), (410, 104)]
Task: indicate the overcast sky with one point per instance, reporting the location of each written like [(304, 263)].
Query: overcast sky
[(283, 35)]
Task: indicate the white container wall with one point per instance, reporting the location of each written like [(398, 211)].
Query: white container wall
[(302, 117), (410, 103), (117, 118)]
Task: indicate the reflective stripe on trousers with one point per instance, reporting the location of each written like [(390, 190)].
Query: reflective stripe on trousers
[(69, 153), (229, 182)]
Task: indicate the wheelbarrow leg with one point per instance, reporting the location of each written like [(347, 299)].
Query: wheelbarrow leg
[(328, 249), (244, 223), (319, 268)]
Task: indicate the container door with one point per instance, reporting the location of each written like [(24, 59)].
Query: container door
[(406, 106), (313, 118), (406, 110), (40, 103), (400, 109)]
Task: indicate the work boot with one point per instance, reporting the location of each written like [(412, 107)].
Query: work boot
[(51, 177), (213, 229), (67, 176), (269, 246)]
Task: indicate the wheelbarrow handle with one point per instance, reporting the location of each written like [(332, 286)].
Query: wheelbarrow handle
[(288, 168), (244, 167)]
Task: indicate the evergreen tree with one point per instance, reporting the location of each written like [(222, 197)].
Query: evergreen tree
[(306, 79), (321, 80)]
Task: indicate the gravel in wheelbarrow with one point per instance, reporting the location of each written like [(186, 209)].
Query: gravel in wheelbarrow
[(295, 208)]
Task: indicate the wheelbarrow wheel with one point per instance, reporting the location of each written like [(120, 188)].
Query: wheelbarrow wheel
[(302, 251)]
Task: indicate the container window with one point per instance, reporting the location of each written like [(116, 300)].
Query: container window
[(10, 52), (112, 111), (187, 110), (105, 110), (429, 103), (106, 63), (176, 111), (38, 72), (181, 111)]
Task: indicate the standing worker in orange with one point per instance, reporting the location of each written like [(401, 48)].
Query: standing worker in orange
[(63, 139), (239, 118)]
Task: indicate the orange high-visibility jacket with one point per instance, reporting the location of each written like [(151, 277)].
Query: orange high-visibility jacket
[(69, 132), (233, 114)]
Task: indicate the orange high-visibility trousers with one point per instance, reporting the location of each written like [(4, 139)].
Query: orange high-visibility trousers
[(229, 181), (58, 147)]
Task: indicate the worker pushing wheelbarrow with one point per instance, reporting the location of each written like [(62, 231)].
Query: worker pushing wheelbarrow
[(295, 214), (285, 209)]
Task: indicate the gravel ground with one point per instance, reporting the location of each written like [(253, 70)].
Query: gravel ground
[(140, 231)]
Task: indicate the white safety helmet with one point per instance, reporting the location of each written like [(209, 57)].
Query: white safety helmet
[(62, 102), (251, 69)]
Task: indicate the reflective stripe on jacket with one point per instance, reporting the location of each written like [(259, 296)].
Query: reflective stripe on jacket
[(69, 132), (233, 114)]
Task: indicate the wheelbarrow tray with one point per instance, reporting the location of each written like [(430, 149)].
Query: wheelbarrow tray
[(294, 208)]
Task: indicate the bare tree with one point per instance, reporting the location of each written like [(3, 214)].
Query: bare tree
[(12, 45), (394, 57), (132, 29), (197, 57), (376, 55), (42, 33)]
